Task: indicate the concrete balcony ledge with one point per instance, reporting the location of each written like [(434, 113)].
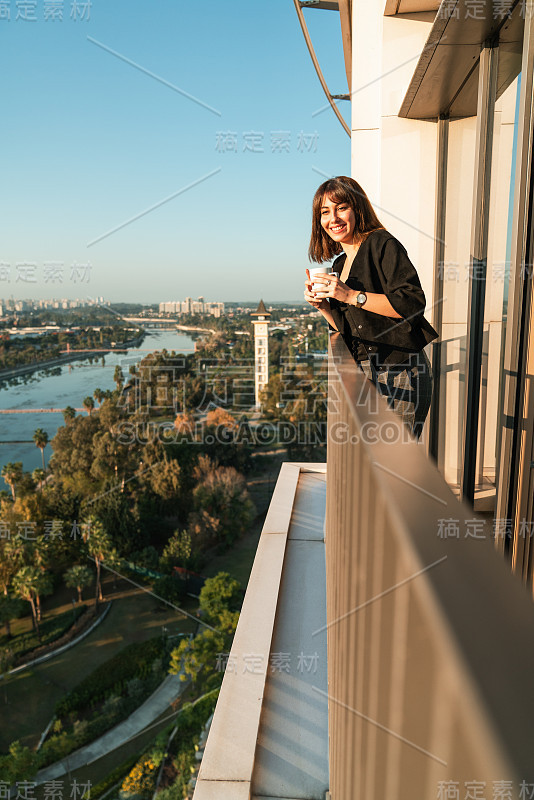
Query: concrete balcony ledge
[(269, 735)]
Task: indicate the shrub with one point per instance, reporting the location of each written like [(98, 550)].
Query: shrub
[(78, 732), (142, 778), (170, 588), (189, 723), (134, 661), (110, 780), (51, 629), (134, 687)]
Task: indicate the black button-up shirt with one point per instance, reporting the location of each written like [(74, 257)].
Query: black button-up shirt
[(382, 266)]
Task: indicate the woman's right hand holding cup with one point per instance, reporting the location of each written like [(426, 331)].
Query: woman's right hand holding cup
[(309, 294)]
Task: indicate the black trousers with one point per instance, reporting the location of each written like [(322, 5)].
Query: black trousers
[(408, 388)]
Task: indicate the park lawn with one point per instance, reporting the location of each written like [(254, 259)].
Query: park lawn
[(32, 694)]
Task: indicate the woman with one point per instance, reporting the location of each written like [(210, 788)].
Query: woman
[(375, 300)]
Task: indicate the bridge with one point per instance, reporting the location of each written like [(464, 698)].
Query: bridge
[(36, 410), (151, 321)]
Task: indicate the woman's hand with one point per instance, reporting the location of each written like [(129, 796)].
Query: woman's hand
[(309, 294), (333, 287)]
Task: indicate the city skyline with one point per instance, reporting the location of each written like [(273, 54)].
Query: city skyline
[(17, 304), (151, 179)]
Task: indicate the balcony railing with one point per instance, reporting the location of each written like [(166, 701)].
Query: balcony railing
[(428, 637)]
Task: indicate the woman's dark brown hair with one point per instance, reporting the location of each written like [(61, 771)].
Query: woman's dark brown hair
[(339, 190)]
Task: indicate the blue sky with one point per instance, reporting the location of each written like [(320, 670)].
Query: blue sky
[(90, 141)]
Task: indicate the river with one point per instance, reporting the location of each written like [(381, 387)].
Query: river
[(62, 386)]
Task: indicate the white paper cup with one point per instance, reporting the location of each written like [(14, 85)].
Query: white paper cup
[(319, 287)]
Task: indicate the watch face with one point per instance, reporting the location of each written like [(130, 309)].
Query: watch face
[(361, 298)]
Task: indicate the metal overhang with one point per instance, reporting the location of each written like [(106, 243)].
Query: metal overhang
[(326, 5), (445, 80), (394, 7)]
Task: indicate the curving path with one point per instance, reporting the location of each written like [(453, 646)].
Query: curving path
[(158, 702)]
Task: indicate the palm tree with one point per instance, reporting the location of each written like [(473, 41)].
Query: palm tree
[(39, 475), (89, 404), (40, 437), (68, 414), (118, 376), (77, 577), (30, 583), (38, 555), (12, 473), (24, 586), (98, 394), (99, 546), (11, 555)]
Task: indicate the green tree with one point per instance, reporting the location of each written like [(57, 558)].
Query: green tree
[(223, 494), (100, 548), (12, 474), (204, 530), (118, 377), (89, 404), (68, 414), (39, 475), (110, 415), (110, 457), (169, 588), (11, 555), (30, 583), (198, 659), (165, 479), (20, 765), (77, 577), (98, 394), (73, 454), (10, 608), (40, 437), (271, 396), (38, 553), (220, 593), (177, 551), (120, 520)]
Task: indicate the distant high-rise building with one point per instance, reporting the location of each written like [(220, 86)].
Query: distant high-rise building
[(189, 306)]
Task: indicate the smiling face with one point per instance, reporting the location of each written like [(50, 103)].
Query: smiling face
[(338, 220), (342, 216)]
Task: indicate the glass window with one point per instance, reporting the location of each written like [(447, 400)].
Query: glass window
[(455, 272)]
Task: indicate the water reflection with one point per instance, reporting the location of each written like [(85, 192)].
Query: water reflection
[(61, 386)]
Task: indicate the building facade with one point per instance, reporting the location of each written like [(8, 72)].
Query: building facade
[(189, 306), (441, 141)]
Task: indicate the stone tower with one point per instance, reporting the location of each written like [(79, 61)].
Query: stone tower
[(261, 350)]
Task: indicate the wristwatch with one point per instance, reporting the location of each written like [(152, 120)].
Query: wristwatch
[(361, 299)]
